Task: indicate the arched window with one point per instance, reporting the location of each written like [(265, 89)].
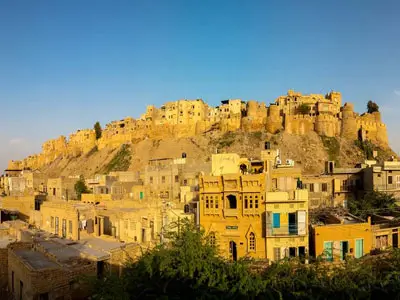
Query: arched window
[(252, 242), (212, 239)]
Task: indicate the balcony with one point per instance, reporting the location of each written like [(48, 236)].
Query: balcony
[(387, 187), (231, 212), (291, 229)]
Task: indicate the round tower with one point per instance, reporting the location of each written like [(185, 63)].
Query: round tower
[(252, 108), (349, 124), (274, 122)]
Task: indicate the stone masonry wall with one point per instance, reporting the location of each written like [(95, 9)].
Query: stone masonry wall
[(186, 118)]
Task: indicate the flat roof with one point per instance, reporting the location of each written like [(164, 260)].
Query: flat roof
[(35, 259), (4, 241)]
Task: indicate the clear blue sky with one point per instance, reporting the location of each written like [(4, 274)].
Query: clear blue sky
[(66, 64)]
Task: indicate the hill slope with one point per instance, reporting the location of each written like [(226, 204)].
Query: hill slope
[(310, 151)]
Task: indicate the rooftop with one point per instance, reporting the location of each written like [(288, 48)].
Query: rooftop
[(35, 259)]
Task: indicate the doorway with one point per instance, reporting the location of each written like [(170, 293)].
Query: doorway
[(232, 203), (233, 250), (344, 249), (395, 240)]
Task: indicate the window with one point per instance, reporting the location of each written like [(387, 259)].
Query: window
[(251, 201), (207, 202), (44, 296), (162, 179), (311, 187), (211, 202), (56, 226), (21, 289), (359, 248), (70, 227), (276, 219), (64, 228), (212, 239), (256, 202), (390, 179), (324, 187), (252, 242), (277, 254), (246, 202), (185, 182), (52, 222), (151, 179), (328, 251), (176, 178)]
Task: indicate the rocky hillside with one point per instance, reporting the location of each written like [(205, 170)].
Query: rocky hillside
[(310, 151)]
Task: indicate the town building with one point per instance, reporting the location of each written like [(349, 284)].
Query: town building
[(338, 235), (255, 208), (384, 177)]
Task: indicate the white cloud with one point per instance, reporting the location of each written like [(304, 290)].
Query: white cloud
[(16, 141), (397, 92)]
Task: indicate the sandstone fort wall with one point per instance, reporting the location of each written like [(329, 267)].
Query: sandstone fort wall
[(186, 118)]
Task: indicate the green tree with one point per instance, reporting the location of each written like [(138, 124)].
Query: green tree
[(188, 267), (304, 109), (372, 106), (80, 187), (98, 130), (372, 202)]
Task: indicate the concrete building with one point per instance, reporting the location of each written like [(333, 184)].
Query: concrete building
[(383, 177), (385, 230), (62, 188), (335, 187), (336, 236)]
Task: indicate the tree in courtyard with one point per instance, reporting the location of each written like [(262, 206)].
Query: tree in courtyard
[(80, 187), (304, 109), (372, 202), (97, 130), (372, 106)]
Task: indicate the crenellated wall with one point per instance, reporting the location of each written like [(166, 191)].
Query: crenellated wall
[(186, 118)]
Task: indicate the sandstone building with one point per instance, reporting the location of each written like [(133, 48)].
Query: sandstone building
[(255, 208)]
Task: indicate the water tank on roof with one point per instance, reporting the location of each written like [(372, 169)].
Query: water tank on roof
[(183, 154), (267, 146)]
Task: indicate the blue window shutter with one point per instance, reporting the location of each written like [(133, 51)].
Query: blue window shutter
[(276, 220)]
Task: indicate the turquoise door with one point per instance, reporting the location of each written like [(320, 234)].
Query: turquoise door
[(328, 251), (359, 248), (141, 195)]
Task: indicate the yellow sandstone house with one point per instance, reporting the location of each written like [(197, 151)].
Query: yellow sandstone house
[(255, 208)]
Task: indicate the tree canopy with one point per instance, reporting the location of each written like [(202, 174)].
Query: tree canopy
[(80, 187), (372, 107), (304, 109), (189, 267), (98, 130), (372, 202)]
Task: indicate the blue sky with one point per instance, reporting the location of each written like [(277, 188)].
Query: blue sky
[(66, 64)]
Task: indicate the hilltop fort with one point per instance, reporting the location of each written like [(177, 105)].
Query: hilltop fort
[(293, 113)]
